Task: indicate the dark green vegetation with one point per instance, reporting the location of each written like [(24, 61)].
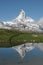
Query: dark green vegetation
[(10, 38)]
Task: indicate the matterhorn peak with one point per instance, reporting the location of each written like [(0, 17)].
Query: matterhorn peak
[(22, 20), (21, 16), (22, 12)]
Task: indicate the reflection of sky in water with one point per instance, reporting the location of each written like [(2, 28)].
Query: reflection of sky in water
[(34, 56), (8, 55)]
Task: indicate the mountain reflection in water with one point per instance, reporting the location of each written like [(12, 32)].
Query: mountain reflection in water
[(25, 54), (24, 48)]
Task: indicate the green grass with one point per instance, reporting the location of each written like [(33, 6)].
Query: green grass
[(10, 38)]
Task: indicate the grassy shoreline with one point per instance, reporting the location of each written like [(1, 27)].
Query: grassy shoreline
[(10, 38)]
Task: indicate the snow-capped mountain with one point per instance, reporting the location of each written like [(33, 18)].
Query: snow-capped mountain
[(22, 23)]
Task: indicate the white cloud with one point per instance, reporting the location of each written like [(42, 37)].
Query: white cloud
[(40, 22)]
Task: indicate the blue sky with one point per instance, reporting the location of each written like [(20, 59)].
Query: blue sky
[(9, 9)]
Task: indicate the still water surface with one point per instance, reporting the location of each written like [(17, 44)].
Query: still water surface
[(28, 54)]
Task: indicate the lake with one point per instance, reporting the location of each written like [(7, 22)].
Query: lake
[(25, 54)]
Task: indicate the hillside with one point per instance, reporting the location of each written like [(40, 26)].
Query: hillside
[(10, 38)]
